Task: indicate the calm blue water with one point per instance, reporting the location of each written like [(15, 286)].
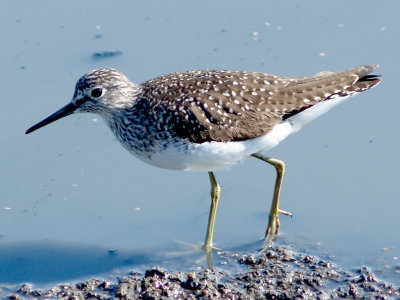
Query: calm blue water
[(70, 193)]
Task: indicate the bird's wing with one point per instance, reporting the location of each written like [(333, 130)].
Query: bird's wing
[(215, 105)]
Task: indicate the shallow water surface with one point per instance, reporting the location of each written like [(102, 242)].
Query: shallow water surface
[(74, 204)]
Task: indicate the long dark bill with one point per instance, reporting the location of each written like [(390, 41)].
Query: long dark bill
[(63, 112)]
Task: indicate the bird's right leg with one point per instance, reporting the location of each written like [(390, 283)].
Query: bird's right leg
[(215, 191)]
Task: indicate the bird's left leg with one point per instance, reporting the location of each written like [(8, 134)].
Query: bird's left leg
[(273, 223)]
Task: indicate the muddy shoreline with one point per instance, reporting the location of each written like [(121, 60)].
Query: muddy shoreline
[(277, 274)]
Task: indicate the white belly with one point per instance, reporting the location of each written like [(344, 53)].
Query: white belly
[(212, 156)]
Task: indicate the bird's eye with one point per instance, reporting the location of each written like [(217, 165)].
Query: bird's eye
[(96, 92)]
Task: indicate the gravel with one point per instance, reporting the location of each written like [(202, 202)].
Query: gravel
[(277, 274)]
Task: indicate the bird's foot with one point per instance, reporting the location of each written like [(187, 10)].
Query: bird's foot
[(273, 227), (194, 248), (284, 212)]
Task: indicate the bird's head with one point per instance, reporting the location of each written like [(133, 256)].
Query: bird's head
[(101, 91)]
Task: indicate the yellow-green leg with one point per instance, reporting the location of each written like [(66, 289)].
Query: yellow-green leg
[(215, 191), (273, 223)]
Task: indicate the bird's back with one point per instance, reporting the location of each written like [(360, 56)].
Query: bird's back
[(226, 106)]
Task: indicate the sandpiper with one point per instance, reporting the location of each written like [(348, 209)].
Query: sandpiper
[(209, 120)]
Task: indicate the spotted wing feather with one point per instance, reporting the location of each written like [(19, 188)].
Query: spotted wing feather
[(234, 105)]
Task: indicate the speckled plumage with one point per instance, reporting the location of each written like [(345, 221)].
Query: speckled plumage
[(210, 120), (173, 121), (233, 106)]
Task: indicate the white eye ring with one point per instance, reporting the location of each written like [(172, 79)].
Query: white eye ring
[(97, 92)]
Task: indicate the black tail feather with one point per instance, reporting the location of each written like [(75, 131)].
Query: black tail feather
[(369, 78)]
